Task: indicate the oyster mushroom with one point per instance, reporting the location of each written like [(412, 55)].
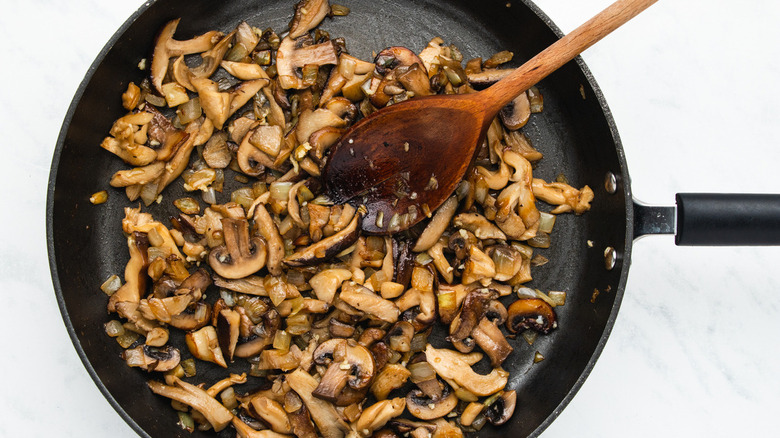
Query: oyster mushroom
[(451, 366), (218, 105), (210, 61), (328, 247), (437, 225), (478, 267), (166, 48), (241, 255), (272, 413), (369, 302), (204, 345), (135, 272), (350, 365), (270, 232), (426, 408), (530, 313), (308, 14), (212, 410), (479, 225), (392, 376), (377, 415), (391, 57), (300, 420), (501, 410), (194, 317), (399, 337), (325, 283), (289, 58), (152, 358), (323, 413)]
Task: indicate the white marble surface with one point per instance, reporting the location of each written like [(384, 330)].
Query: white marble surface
[(693, 85)]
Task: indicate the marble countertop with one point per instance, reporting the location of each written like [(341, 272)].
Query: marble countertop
[(694, 88)]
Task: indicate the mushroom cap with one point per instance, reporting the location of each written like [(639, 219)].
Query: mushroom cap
[(425, 408), (152, 358), (501, 410), (241, 255), (350, 371), (530, 313)]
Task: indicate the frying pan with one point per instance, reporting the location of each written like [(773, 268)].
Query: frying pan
[(576, 135)]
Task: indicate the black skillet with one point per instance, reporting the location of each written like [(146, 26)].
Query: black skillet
[(575, 132)]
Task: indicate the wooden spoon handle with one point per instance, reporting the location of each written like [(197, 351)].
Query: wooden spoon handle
[(562, 51)]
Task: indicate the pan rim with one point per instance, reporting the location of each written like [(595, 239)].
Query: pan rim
[(622, 175)]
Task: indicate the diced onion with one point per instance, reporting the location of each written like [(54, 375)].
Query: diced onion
[(546, 222), (557, 297), (111, 285), (99, 197), (538, 357), (114, 328), (280, 190)]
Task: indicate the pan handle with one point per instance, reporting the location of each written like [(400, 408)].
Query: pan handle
[(713, 219)]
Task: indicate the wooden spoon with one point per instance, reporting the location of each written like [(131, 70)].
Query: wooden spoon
[(424, 146)]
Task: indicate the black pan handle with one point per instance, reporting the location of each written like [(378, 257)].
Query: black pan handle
[(714, 219)]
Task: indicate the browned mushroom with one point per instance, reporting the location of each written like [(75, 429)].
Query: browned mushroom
[(489, 338), (213, 411), (308, 14), (366, 301), (349, 365), (151, 358), (263, 335), (289, 58), (328, 247), (531, 313), (479, 225), (324, 414), (300, 420), (451, 366), (426, 408), (194, 317), (228, 323), (135, 272), (516, 113), (501, 410), (437, 225), (204, 345), (377, 415), (166, 48), (210, 60), (241, 255), (472, 310), (268, 229)]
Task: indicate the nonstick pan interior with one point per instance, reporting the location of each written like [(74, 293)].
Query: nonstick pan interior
[(575, 133)]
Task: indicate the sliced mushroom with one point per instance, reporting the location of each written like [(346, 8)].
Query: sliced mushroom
[(204, 345), (268, 229), (138, 175), (488, 77), (308, 14), (566, 197), (489, 338), (194, 317), (218, 105), (228, 323), (437, 225), (531, 313), (328, 247), (472, 310), (263, 335), (166, 48), (516, 113), (151, 358), (391, 57), (426, 408), (377, 415), (369, 302), (391, 377), (478, 267), (326, 283), (311, 121), (216, 414), (451, 367), (501, 410), (289, 58), (300, 420), (349, 365), (272, 413), (243, 430), (323, 413), (479, 225), (135, 272), (210, 61), (241, 255)]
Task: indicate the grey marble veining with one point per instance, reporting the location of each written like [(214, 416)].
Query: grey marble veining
[(693, 86)]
